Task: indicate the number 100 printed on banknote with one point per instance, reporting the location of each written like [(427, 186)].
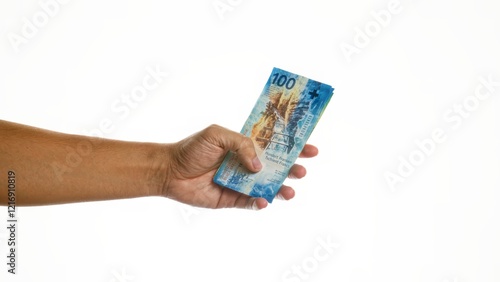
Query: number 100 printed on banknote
[(279, 125)]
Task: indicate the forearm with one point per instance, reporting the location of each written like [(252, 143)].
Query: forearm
[(55, 168)]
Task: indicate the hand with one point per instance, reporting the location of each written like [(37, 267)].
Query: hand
[(194, 161)]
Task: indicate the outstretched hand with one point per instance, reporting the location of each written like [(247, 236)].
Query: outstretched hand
[(194, 160)]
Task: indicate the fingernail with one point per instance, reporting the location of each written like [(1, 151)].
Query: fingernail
[(256, 163), (254, 206)]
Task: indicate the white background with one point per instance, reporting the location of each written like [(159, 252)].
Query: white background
[(440, 224)]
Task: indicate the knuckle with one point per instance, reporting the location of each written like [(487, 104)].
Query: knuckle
[(212, 129), (246, 142)]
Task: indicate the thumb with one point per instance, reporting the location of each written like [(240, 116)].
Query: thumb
[(237, 143)]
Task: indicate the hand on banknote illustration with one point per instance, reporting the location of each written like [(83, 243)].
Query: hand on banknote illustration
[(46, 167), (194, 160)]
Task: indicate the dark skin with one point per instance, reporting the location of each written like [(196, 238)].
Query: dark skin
[(58, 168)]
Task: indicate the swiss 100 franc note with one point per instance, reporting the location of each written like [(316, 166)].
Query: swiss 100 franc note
[(279, 125)]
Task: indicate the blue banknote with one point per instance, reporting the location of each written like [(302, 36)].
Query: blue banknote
[(279, 125)]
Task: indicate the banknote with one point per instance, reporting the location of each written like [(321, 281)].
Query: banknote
[(279, 125)]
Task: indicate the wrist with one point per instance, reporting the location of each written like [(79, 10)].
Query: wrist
[(160, 173)]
